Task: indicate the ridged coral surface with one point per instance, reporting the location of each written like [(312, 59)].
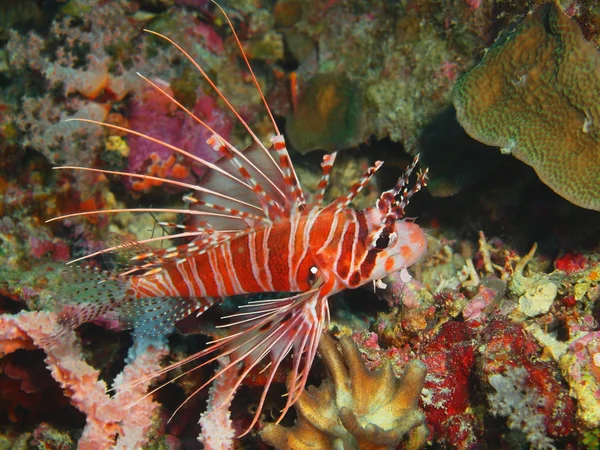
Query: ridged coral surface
[(535, 94)]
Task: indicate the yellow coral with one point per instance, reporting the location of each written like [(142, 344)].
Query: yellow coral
[(117, 144), (535, 94), (357, 408)]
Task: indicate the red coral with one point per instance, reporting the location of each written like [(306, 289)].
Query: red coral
[(41, 247), (450, 358), (27, 391), (571, 262), (126, 417), (152, 113), (509, 345)]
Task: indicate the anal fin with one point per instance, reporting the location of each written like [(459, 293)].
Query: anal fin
[(270, 329), (155, 316)]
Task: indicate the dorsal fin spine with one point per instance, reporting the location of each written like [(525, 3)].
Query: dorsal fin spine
[(326, 166), (272, 209), (342, 202), (289, 174), (210, 129)]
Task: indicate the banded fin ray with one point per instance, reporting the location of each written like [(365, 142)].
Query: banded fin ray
[(284, 179), (204, 243), (326, 166), (345, 200), (252, 187), (293, 325), (215, 182), (236, 173)]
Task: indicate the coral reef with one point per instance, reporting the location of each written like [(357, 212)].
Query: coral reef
[(538, 384), (217, 430), (509, 336), (106, 417), (513, 398), (151, 112), (328, 115), (383, 49), (533, 95), (357, 408), (581, 366), (543, 408)]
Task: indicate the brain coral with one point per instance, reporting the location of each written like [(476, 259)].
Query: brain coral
[(358, 408), (535, 94)]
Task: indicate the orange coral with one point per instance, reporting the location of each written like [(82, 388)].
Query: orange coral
[(535, 94), (161, 169), (358, 408)]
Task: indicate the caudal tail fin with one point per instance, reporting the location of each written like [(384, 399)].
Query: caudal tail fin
[(85, 295)]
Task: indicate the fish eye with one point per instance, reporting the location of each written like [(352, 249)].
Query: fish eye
[(384, 240), (313, 272)]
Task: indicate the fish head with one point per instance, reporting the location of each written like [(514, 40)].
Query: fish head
[(391, 247), (363, 247)]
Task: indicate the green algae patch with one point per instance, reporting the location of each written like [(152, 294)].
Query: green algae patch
[(328, 115), (535, 94)]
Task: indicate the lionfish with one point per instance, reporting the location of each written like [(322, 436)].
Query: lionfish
[(252, 231)]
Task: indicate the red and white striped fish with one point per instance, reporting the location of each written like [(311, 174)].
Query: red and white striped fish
[(251, 232)]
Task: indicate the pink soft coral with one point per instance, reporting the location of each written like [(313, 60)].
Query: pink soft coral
[(154, 114), (106, 417)]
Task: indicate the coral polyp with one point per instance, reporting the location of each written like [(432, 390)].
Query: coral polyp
[(355, 408)]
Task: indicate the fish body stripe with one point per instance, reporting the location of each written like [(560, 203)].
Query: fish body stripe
[(253, 261), (275, 258), (344, 247)]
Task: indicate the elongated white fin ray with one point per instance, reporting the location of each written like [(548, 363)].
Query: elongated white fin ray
[(214, 344), (249, 313), (249, 66), (180, 253), (284, 160), (161, 179), (214, 86), (141, 210), (213, 181), (159, 142), (209, 128), (247, 320), (143, 241), (272, 209), (294, 326), (299, 375)]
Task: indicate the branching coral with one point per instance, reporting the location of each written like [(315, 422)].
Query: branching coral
[(217, 429), (520, 403), (111, 422), (357, 408)]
